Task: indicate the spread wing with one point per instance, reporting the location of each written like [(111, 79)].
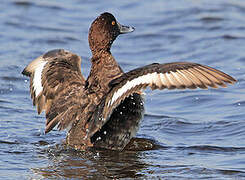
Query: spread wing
[(56, 86), (178, 75)]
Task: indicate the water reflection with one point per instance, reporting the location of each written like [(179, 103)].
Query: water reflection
[(68, 163)]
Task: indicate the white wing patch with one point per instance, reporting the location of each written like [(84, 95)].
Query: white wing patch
[(145, 79), (192, 77), (37, 78)]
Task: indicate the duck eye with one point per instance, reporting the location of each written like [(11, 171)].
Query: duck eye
[(113, 23)]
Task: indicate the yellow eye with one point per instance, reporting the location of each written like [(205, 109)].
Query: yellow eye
[(113, 23)]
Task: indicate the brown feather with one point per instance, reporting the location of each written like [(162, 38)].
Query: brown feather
[(62, 69), (172, 75)]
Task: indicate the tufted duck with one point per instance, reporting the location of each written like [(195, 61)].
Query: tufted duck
[(105, 110)]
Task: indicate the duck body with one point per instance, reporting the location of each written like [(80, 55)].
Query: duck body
[(124, 121), (105, 110)]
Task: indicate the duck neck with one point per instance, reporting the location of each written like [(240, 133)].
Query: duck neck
[(100, 55), (104, 69)]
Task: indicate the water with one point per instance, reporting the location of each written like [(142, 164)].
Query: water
[(198, 134)]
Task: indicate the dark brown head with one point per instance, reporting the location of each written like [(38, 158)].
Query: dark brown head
[(103, 31)]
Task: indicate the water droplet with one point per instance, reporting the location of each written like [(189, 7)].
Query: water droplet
[(120, 112), (25, 81), (11, 89), (85, 137), (104, 132), (98, 138), (239, 104)]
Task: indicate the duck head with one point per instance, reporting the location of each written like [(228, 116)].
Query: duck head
[(103, 31)]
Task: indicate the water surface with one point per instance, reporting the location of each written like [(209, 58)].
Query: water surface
[(198, 133)]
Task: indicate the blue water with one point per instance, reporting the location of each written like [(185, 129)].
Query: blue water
[(199, 133)]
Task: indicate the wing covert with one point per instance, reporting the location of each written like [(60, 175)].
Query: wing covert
[(52, 76), (178, 75)]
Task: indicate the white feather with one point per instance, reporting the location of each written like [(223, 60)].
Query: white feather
[(37, 79), (176, 77), (145, 79), (163, 80)]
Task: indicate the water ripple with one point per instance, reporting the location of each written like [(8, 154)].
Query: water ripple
[(210, 19), (214, 149), (198, 134)]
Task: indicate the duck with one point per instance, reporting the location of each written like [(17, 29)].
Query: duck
[(105, 109)]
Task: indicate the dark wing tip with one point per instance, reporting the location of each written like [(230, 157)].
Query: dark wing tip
[(26, 73), (233, 80), (46, 131), (49, 127)]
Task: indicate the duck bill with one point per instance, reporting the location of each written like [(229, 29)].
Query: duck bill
[(125, 29)]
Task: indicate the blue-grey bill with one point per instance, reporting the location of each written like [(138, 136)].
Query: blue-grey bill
[(125, 29)]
